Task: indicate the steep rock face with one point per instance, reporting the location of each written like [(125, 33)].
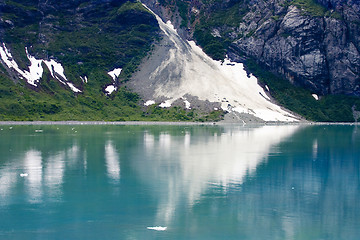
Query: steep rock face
[(319, 53), (314, 44)]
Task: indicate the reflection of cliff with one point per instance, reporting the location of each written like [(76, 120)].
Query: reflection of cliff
[(186, 167), (291, 182), (308, 189)]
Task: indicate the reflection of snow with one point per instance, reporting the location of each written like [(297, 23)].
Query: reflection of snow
[(315, 148), (187, 170), (148, 140), (33, 166), (40, 176), (54, 170), (7, 181), (112, 161)]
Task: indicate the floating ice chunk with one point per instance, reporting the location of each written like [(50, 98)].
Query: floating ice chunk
[(115, 73), (149, 102), (165, 104), (24, 174), (267, 88), (157, 228), (315, 96), (109, 89)]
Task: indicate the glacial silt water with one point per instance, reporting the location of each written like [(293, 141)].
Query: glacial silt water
[(179, 182)]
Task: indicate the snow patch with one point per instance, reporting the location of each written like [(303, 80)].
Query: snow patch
[(115, 73), (84, 79), (72, 87), (187, 104), (166, 104), (315, 96), (56, 70), (149, 102), (110, 89), (35, 72)]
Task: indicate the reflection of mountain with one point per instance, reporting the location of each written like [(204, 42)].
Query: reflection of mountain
[(308, 188), (187, 166), (38, 172), (202, 182)]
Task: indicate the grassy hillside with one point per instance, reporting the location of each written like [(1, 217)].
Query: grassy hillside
[(91, 38), (88, 39)]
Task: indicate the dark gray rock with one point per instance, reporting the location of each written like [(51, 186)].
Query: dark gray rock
[(319, 53)]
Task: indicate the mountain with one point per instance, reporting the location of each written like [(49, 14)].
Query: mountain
[(108, 60)]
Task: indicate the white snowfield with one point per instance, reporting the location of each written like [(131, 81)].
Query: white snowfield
[(191, 72), (114, 74), (34, 75), (110, 89)]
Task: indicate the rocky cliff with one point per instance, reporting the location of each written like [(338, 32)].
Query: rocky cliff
[(313, 44)]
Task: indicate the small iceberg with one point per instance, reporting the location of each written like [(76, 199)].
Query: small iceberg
[(157, 228), (24, 174)]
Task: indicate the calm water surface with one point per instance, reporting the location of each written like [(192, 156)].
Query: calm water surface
[(201, 182)]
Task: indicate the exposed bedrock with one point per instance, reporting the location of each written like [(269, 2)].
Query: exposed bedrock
[(316, 49)]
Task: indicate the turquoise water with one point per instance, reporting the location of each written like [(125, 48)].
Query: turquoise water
[(200, 182)]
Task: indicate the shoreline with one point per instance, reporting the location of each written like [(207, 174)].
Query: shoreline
[(142, 123)]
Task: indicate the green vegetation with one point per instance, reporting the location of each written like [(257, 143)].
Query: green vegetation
[(131, 6), (226, 17), (215, 47), (183, 8), (52, 102), (330, 108), (310, 7)]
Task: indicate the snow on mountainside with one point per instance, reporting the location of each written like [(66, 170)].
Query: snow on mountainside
[(115, 61), (184, 72), (35, 72)]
